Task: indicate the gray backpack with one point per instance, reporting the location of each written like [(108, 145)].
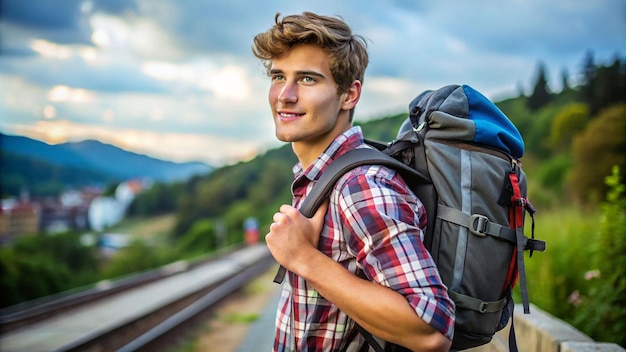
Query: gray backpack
[(459, 154)]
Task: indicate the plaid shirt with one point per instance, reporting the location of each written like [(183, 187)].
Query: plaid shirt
[(370, 230)]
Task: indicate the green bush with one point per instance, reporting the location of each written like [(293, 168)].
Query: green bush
[(136, 257), (37, 266), (601, 307), (553, 172)]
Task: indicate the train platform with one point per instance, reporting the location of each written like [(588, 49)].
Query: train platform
[(260, 336)]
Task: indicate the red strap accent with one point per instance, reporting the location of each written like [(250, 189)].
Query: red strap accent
[(517, 202), (511, 276), (516, 218)]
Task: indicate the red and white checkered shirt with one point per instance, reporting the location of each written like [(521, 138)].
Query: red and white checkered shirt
[(373, 228)]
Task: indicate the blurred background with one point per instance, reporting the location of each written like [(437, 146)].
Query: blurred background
[(137, 133), (177, 80)]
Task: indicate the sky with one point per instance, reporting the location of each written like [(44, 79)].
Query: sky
[(176, 79)]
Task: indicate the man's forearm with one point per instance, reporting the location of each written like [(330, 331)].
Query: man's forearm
[(380, 310)]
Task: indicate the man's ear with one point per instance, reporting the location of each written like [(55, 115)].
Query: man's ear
[(352, 95)]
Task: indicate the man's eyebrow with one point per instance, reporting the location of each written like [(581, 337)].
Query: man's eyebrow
[(310, 73), (299, 73)]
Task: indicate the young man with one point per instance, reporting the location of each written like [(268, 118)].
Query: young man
[(360, 258)]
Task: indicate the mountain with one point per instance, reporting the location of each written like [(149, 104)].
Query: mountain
[(92, 157)]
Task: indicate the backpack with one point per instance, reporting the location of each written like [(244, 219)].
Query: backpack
[(459, 154)]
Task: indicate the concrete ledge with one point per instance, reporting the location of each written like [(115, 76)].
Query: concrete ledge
[(541, 332), (591, 347)]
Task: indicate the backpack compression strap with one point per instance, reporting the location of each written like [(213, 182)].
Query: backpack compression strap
[(481, 226), (336, 169), (518, 206)]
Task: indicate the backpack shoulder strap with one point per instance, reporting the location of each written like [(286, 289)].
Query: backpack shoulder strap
[(343, 164), (336, 169)]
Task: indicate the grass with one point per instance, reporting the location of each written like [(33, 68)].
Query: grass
[(147, 228), (240, 318), (552, 276)]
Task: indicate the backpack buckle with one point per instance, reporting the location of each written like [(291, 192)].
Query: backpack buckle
[(478, 225)]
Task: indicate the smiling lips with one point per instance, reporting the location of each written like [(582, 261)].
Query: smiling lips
[(288, 116)]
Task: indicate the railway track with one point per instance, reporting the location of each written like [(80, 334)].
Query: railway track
[(146, 313)]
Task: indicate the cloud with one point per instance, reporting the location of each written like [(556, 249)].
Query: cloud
[(177, 78)]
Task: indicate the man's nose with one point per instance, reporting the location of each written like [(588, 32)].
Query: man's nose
[(288, 93)]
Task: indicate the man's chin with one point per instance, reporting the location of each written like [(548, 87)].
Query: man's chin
[(285, 137)]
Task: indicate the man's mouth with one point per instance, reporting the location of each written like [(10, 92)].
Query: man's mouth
[(288, 116)]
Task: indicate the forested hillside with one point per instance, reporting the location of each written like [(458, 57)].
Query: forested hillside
[(563, 150)]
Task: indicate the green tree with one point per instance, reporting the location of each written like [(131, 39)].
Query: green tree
[(588, 92), (541, 93), (611, 83), (601, 146), (160, 198), (520, 89), (537, 137), (565, 80), (200, 239), (602, 86), (569, 121)]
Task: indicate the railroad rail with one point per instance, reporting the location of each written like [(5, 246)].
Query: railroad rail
[(145, 314)]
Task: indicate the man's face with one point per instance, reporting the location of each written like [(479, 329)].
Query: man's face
[(304, 100)]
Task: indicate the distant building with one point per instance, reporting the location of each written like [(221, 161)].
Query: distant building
[(73, 210), (64, 215), (18, 218), (105, 212)]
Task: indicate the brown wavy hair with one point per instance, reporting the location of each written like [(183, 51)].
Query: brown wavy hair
[(347, 51)]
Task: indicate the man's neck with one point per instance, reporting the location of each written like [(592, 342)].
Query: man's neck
[(308, 151)]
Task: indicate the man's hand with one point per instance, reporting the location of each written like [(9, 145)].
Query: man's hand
[(293, 238)]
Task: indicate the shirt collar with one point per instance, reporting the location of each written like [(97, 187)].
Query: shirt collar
[(348, 140)]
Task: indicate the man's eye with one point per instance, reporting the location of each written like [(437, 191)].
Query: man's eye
[(277, 77), (308, 79)]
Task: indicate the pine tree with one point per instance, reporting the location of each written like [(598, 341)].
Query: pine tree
[(520, 89), (588, 92), (541, 93), (565, 80), (610, 82)]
